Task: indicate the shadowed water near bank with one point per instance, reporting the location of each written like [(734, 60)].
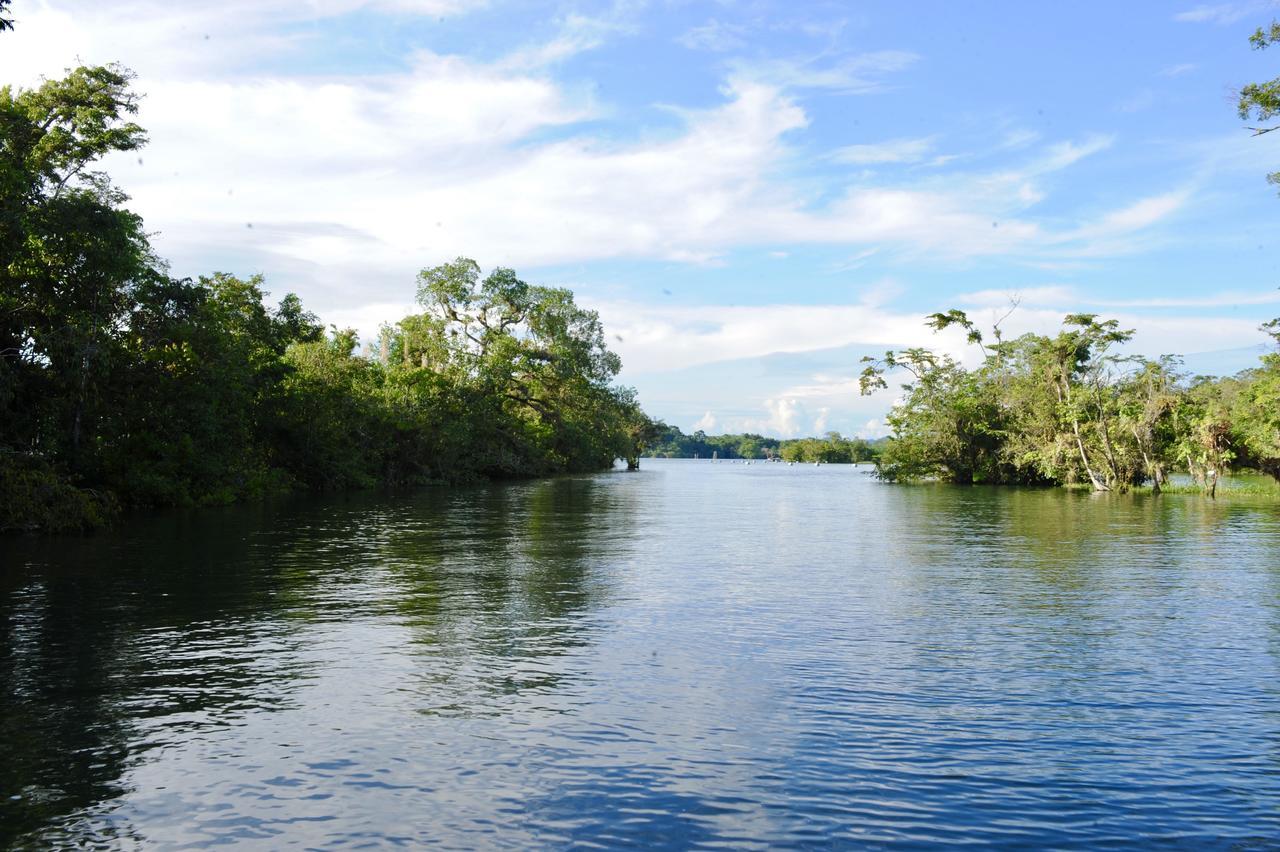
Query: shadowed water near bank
[(695, 654)]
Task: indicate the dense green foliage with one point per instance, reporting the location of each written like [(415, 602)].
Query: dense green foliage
[(1069, 408), (120, 385), (670, 442)]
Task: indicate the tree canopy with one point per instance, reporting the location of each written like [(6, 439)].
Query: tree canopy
[(120, 385)]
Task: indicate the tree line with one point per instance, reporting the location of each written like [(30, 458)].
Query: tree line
[(1072, 408), (123, 386), (833, 448)]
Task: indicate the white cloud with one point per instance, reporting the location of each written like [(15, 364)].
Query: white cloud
[(1144, 213), (784, 417), (161, 39), (781, 418), (1179, 69), (820, 422), (707, 423), (874, 429), (892, 151), (367, 319), (353, 183)]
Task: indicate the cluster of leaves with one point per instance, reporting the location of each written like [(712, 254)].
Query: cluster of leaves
[(832, 449), (122, 385), (1069, 408), (1260, 102)]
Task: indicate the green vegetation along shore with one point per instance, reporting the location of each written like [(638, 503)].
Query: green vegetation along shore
[(1070, 408), (121, 386)]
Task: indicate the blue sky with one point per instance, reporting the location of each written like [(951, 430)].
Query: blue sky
[(753, 195)]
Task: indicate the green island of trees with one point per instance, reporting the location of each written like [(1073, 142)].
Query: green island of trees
[(1067, 409), (121, 386), (833, 448)]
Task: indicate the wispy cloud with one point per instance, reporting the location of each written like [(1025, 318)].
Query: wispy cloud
[(1179, 69), (1069, 298), (1060, 155), (1144, 213), (715, 36), (891, 151), (576, 34), (856, 261), (861, 73), (1019, 138), (1223, 14), (1106, 233)]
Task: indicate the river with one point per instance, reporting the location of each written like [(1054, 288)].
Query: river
[(697, 654)]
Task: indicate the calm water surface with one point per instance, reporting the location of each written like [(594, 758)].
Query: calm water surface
[(695, 655)]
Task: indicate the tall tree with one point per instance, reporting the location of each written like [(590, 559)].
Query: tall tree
[(533, 348), (69, 252)]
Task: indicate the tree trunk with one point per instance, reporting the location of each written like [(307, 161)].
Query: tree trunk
[(1109, 453), (1075, 427), (1084, 457), (1147, 463), (78, 412)]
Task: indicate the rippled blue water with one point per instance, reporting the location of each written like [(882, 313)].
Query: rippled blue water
[(695, 655)]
